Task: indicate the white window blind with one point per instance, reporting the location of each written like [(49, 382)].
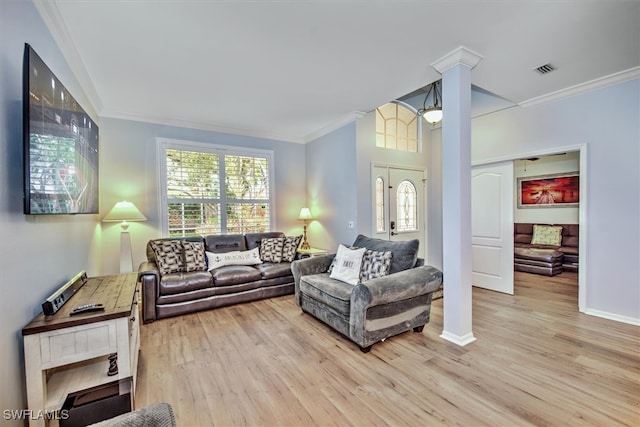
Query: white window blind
[(215, 191)]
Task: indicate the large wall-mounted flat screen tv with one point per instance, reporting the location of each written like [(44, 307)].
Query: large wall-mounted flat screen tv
[(60, 145)]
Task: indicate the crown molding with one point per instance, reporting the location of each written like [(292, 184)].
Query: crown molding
[(55, 24), (349, 118), (459, 56), (620, 77), (203, 126)]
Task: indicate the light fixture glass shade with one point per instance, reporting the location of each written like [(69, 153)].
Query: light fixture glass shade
[(305, 213), (433, 115), (124, 211)]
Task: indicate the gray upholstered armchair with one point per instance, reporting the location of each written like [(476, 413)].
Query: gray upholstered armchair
[(373, 309)]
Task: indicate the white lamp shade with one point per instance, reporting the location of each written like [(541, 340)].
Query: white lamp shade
[(124, 211), (433, 115), (305, 213)]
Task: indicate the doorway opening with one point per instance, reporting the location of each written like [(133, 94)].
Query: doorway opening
[(548, 200), (577, 156)]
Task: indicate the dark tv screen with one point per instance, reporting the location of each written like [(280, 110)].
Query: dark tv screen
[(60, 145)]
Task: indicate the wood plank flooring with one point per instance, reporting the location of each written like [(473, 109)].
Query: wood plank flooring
[(536, 361)]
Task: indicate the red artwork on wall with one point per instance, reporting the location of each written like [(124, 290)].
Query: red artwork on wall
[(560, 190)]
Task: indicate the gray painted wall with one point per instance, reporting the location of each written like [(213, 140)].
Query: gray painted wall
[(37, 254), (332, 186), (606, 120), (612, 198), (129, 171)]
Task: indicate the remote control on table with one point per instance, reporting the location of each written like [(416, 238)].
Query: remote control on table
[(87, 308)]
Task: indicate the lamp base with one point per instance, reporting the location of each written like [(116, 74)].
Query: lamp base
[(126, 257), (305, 244)]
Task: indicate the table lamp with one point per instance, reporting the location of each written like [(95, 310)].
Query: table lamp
[(123, 212), (305, 215)]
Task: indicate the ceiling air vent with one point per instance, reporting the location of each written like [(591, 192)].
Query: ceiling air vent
[(544, 69)]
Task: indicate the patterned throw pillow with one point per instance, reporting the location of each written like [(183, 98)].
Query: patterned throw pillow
[(547, 235), (375, 264), (290, 248), (347, 265), (168, 255), (271, 249), (194, 259)]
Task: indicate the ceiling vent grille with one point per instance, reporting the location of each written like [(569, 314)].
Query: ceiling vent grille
[(544, 69)]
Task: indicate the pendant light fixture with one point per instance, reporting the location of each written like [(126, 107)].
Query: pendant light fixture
[(432, 114)]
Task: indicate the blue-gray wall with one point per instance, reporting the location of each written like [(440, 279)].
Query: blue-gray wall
[(332, 188), (37, 254), (129, 171), (606, 122)]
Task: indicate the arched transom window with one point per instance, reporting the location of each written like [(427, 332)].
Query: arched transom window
[(396, 127), (407, 207)]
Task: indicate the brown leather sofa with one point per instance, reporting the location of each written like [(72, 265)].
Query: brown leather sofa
[(179, 293), (547, 263)]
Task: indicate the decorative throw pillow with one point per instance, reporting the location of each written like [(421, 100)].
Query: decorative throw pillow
[(194, 259), (347, 266), (168, 255), (333, 261), (271, 249), (251, 257), (547, 235), (290, 248), (375, 264)]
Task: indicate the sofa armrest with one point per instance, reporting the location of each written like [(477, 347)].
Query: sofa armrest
[(149, 277), (308, 266), (394, 288), (397, 286)]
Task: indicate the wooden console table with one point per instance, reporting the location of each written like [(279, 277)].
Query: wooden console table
[(64, 354)]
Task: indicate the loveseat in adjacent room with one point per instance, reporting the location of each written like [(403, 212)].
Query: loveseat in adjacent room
[(546, 249), (184, 275)]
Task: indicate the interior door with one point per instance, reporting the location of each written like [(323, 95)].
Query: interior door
[(492, 192), (399, 204)]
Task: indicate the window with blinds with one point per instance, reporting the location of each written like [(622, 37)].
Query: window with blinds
[(216, 191)]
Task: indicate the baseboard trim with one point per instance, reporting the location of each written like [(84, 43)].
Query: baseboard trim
[(457, 339), (611, 316)]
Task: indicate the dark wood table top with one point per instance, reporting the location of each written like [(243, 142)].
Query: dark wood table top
[(115, 292)]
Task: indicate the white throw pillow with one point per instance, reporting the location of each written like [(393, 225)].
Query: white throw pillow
[(216, 260), (347, 265)]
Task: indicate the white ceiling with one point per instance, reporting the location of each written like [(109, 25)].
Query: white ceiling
[(292, 70)]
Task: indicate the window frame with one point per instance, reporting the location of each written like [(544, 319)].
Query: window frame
[(414, 211), (164, 144), (419, 126)]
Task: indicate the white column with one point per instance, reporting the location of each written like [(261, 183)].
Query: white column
[(455, 68)]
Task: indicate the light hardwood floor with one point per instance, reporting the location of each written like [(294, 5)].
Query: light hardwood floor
[(536, 361)]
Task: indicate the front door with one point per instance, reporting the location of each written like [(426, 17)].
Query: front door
[(398, 208), (492, 226)]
